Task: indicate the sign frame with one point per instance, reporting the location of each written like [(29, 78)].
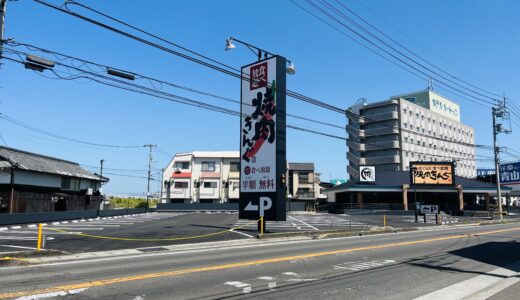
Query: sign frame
[(432, 185), (250, 200), (373, 168)]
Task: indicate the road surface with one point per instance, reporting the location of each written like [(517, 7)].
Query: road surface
[(435, 263)]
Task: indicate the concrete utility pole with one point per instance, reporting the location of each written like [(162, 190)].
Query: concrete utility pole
[(100, 206), (161, 185), (498, 112), (150, 147), (2, 20)]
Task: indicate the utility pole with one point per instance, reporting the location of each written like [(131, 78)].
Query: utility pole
[(161, 185), (498, 112), (100, 184), (2, 26), (150, 147)]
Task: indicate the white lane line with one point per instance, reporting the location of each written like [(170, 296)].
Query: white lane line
[(3, 228), (51, 295), (478, 286), (266, 278), (85, 225), (301, 279), (15, 227), (291, 274), (19, 247), (308, 225), (239, 232), (237, 284), (78, 228), (271, 285)]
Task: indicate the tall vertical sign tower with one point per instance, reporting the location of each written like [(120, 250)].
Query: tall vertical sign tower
[(262, 140)]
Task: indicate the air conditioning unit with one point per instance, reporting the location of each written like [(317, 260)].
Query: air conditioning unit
[(177, 170)]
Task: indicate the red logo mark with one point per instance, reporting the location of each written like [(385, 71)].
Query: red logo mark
[(258, 76)]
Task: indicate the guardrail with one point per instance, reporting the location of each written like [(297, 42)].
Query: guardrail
[(26, 218)]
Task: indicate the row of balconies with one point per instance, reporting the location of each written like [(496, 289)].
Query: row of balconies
[(373, 118), (391, 159), (372, 131), (370, 146)]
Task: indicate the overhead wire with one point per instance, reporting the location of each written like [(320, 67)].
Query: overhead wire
[(61, 56), (289, 93), (323, 11)]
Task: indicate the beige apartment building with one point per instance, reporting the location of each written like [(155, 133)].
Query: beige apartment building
[(421, 126)]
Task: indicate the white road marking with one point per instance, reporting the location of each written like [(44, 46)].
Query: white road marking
[(308, 225), (301, 279), (271, 285), (239, 232), (291, 274), (479, 287), (20, 247), (247, 290), (356, 266), (51, 295), (15, 227), (266, 278), (238, 284)]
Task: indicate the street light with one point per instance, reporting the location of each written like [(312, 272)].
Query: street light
[(291, 70)]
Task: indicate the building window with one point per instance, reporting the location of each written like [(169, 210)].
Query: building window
[(180, 185), (234, 166), (184, 165), (208, 166), (69, 183), (303, 177), (210, 184)]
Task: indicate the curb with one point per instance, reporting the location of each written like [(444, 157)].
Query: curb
[(336, 233)]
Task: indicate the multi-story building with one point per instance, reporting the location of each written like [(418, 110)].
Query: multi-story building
[(421, 126), (214, 177), (202, 176), (303, 184)]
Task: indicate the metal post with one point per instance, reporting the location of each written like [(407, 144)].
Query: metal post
[(39, 242), (497, 161), (162, 185), (415, 199), (100, 184)]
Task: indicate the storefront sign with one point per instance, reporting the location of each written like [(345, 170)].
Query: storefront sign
[(262, 139), (510, 173), (367, 174), (432, 173)]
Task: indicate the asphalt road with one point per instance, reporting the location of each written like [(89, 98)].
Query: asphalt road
[(471, 261)]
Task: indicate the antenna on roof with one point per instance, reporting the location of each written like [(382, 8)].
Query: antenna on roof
[(430, 84)]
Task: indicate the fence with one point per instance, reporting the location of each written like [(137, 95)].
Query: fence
[(25, 218), (197, 206)]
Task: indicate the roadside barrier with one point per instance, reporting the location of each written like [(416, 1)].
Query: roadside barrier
[(147, 239)]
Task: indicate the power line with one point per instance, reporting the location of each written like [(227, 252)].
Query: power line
[(289, 93), (409, 51), (61, 57), (423, 47), (27, 126), (391, 54)]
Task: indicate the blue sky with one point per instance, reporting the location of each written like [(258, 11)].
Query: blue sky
[(477, 41)]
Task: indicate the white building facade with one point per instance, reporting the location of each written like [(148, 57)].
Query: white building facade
[(202, 177), (422, 126)]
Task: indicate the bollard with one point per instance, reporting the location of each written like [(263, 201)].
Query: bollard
[(261, 225), (39, 242), (384, 220), (44, 239), (424, 218)]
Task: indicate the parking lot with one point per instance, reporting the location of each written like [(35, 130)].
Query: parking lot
[(161, 229)]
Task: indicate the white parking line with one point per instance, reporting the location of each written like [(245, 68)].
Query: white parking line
[(308, 225), (19, 247), (236, 231)]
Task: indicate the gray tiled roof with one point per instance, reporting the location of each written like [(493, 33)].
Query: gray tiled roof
[(392, 179), (41, 163), (301, 166)]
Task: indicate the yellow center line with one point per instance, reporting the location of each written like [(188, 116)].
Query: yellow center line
[(112, 281)]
